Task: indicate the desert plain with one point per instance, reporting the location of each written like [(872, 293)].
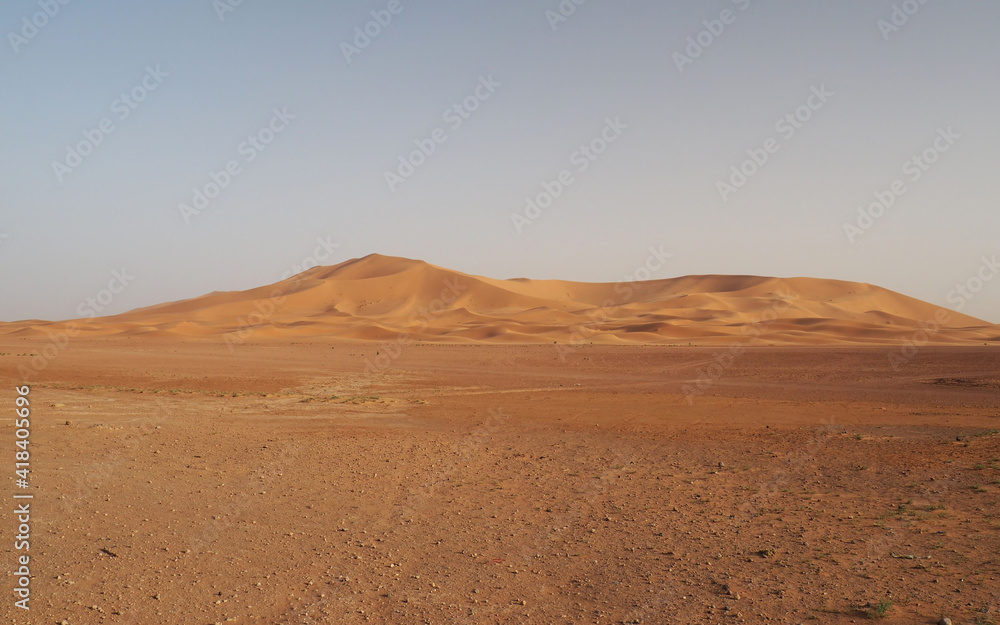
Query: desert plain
[(283, 478)]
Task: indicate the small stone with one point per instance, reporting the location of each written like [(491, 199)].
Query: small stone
[(944, 621)]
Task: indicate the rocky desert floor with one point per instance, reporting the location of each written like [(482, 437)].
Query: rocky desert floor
[(282, 483)]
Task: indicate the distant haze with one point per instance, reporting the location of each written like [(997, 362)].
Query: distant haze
[(196, 147)]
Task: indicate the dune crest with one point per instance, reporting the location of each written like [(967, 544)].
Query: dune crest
[(377, 298)]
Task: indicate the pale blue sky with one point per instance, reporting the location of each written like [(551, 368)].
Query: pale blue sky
[(323, 174)]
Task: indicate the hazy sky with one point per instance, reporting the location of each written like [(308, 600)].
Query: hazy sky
[(864, 99)]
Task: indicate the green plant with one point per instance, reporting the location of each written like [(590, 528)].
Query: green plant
[(880, 609)]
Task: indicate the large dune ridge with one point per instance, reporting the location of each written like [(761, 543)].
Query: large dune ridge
[(385, 298)]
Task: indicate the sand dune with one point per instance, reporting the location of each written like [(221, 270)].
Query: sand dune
[(378, 298)]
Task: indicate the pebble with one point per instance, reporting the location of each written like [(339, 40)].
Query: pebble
[(945, 621)]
